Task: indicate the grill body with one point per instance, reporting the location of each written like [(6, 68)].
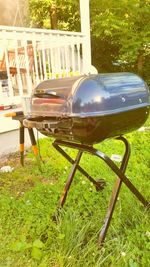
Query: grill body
[(89, 109)]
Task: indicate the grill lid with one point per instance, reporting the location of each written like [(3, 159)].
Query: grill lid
[(89, 95)]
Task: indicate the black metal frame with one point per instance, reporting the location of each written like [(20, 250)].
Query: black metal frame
[(120, 172)]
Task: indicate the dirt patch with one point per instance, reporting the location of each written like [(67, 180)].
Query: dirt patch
[(12, 159)]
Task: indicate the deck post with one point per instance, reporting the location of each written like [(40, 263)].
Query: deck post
[(85, 30)]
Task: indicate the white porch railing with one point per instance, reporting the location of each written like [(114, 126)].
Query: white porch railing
[(29, 56)]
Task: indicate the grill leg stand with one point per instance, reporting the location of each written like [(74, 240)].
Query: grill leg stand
[(21, 141), (119, 172), (34, 147), (115, 193), (70, 179), (33, 141)]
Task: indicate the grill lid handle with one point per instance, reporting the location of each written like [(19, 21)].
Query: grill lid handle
[(48, 94)]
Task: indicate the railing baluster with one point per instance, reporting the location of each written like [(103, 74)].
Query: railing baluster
[(40, 64), (27, 65), (48, 63), (72, 57), (67, 48), (43, 57), (35, 59), (58, 62), (20, 86), (63, 60), (52, 62), (78, 58)]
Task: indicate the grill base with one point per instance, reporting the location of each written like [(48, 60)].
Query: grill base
[(89, 130)]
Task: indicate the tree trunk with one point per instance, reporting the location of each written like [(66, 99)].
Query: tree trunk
[(140, 64), (53, 16)]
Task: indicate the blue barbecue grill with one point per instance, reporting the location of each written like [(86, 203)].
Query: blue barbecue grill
[(81, 111)]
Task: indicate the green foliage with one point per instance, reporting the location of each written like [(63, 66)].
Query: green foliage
[(67, 14), (123, 26), (39, 13), (29, 237), (119, 31)]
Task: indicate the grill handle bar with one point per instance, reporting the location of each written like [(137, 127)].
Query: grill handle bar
[(49, 94)]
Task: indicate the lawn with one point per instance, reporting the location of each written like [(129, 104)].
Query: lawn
[(29, 196)]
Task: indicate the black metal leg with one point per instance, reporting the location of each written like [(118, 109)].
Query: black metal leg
[(70, 178), (34, 148), (115, 193), (99, 185), (33, 141), (21, 141)]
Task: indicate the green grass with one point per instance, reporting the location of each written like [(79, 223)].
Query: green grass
[(29, 237)]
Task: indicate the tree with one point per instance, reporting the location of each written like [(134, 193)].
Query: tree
[(124, 26), (55, 14)]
